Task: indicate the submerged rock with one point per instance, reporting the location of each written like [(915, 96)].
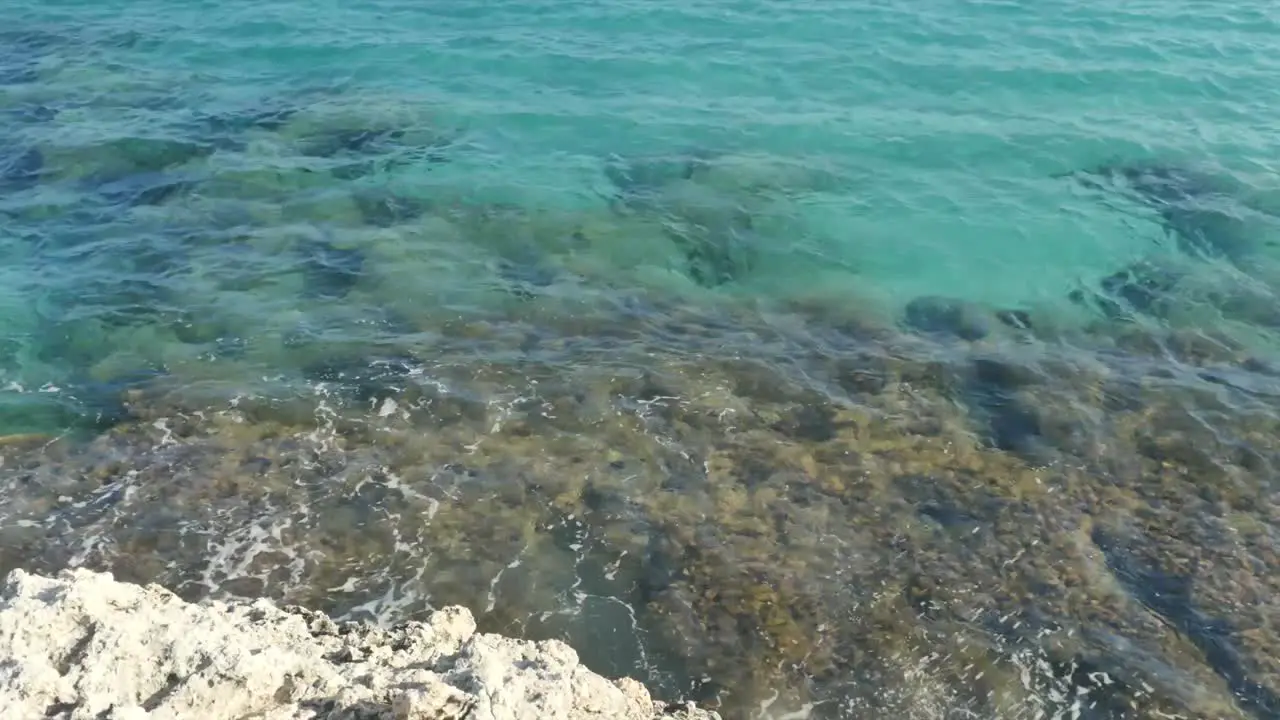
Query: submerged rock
[(635, 176), (992, 392), (1172, 597), (123, 172), (714, 257), (20, 169), (814, 520), (947, 316), (28, 113), (146, 188), (354, 142), (84, 645), (1142, 287), (122, 157), (526, 272), (17, 69), (227, 129), (723, 214), (1204, 214), (330, 271), (384, 209)]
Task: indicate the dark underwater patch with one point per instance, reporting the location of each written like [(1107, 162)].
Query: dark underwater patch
[(1209, 233), (156, 154), (364, 378), (633, 176), (812, 422), (27, 113), (935, 315), (20, 55), (711, 267), (525, 282), (158, 255), (1194, 208), (104, 401), (718, 244), (993, 392), (358, 153), (387, 209), (1170, 597), (20, 169), (714, 255), (98, 277), (355, 170), (22, 413), (662, 566), (1140, 288), (935, 503), (231, 123), (130, 298), (329, 271), (79, 405), (1143, 286), (347, 141), (18, 74), (145, 188), (525, 272), (29, 41), (137, 170)]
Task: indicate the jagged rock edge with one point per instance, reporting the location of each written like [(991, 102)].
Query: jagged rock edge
[(83, 645)]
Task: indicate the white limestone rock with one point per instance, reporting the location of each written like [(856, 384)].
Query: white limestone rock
[(82, 646)]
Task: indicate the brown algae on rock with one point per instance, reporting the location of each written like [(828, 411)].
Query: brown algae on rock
[(756, 538)]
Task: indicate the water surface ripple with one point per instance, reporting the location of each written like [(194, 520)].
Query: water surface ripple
[(809, 360)]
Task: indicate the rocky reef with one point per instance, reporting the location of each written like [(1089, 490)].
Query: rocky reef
[(83, 645), (664, 428), (895, 527)]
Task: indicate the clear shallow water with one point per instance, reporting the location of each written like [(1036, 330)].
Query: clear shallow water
[(483, 216)]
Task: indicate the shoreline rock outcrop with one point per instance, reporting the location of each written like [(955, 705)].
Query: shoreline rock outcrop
[(82, 645)]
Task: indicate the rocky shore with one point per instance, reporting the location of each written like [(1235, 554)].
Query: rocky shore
[(83, 645)]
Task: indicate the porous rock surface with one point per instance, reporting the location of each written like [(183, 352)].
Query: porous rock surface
[(82, 645)]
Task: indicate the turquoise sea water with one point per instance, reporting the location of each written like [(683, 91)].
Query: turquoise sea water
[(221, 201)]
